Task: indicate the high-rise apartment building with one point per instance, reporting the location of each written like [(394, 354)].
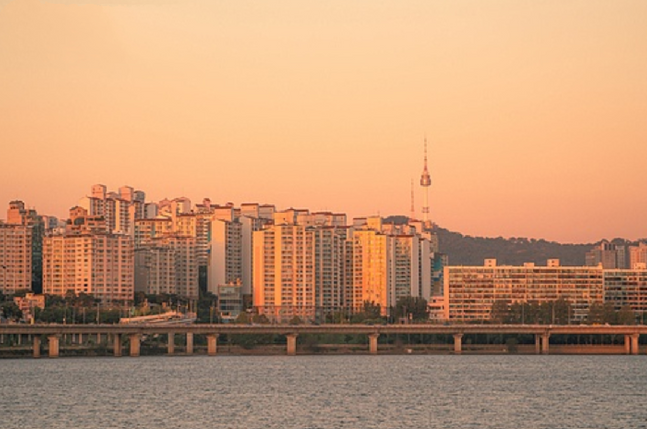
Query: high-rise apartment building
[(18, 214), (607, 254), (302, 265), (284, 275), (15, 258), (330, 258), (87, 258), (225, 257), (637, 255), (370, 269), (119, 209), (390, 262), (167, 265)]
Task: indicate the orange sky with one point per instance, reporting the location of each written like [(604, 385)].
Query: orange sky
[(535, 111)]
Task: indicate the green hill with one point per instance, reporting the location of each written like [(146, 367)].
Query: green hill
[(467, 250)]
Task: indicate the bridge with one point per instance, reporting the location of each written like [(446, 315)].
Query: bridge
[(542, 333)]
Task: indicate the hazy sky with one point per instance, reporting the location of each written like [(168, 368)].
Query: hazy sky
[(535, 111)]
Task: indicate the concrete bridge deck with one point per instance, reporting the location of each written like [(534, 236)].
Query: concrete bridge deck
[(542, 333)]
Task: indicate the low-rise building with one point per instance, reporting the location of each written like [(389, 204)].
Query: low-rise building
[(471, 291)]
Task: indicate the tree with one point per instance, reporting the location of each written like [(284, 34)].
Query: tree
[(610, 315), (140, 298), (561, 311), (500, 311), (243, 318), (296, 320), (11, 311), (596, 313), (207, 308), (84, 300), (372, 312), (626, 316), (261, 319), (410, 307)]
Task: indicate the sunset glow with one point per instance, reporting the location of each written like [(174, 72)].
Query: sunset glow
[(534, 111)]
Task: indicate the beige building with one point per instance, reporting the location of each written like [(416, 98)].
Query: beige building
[(167, 265), (284, 275), (15, 258), (89, 259), (637, 255), (148, 229), (470, 292), (225, 256), (28, 304), (119, 209), (390, 262), (627, 288)]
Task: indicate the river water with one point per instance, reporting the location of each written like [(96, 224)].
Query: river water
[(325, 392)]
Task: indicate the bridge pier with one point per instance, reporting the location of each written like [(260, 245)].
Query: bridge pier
[(135, 344), (634, 343), (189, 343), (372, 343), (116, 344), (545, 342), (36, 345), (212, 344), (171, 343), (53, 345), (458, 343), (627, 344), (292, 344)]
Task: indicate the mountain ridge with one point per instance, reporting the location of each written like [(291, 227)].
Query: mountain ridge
[(472, 251)]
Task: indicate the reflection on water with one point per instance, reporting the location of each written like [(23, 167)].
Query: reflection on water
[(326, 392)]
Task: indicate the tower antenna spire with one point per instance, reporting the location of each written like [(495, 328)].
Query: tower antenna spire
[(413, 207), (425, 182)]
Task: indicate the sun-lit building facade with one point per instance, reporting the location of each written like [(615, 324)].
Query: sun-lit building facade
[(470, 291), (87, 258), (627, 288), (370, 270), (284, 275), (119, 209), (15, 258)]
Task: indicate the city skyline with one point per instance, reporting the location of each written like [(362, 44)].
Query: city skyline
[(532, 111)]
